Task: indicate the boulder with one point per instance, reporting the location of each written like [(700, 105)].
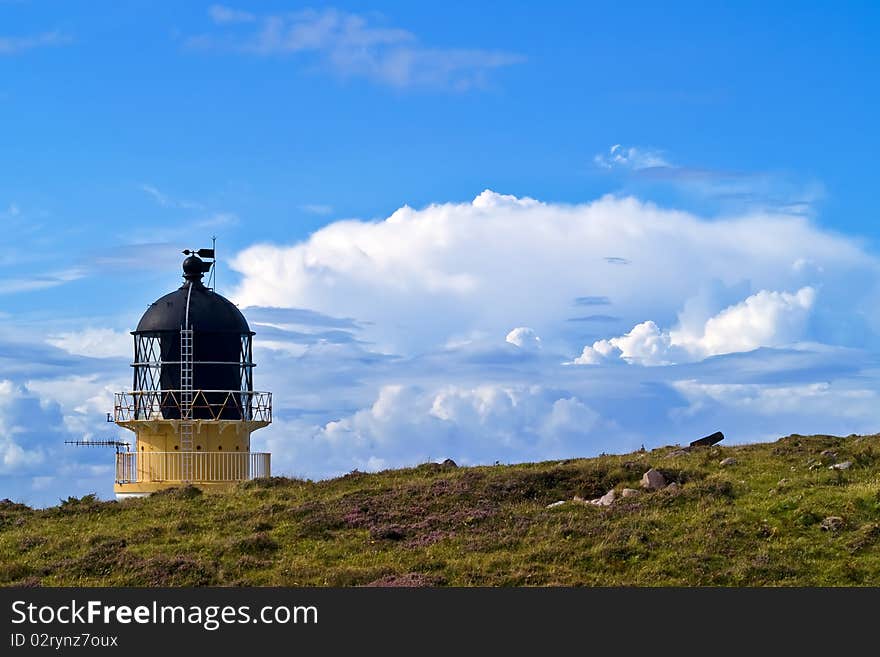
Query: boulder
[(607, 499), (678, 452), (629, 492), (728, 461), (653, 480), (832, 523), (830, 453), (553, 505), (449, 463), (844, 465), (673, 487)]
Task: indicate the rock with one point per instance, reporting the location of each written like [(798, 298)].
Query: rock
[(678, 452), (578, 499), (629, 492), (830, 453), (711, 439), (782, 482), (653, 480), (728, 461), (449, 463), (607, 499), (843, 465), (672, 487), (555, 504), (832, 523)]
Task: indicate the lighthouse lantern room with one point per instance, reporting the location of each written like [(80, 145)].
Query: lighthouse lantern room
[(192, 405)]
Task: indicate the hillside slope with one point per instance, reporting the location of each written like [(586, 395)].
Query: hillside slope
[(760, 521)]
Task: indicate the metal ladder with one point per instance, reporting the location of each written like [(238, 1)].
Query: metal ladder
[(186, 404)]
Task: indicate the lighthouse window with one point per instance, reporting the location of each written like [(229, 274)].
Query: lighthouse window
[(236, 448), (198, 447), (219, 448), (176, 448), (142, 448)]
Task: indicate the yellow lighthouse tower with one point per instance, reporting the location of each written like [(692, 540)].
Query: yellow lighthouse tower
[(192, 406)]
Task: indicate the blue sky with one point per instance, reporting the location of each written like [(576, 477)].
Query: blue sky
[(700, 251)]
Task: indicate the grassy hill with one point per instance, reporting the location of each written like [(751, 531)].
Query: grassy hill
[(760, 521)]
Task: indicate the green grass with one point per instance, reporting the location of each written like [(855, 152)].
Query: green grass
[(754, 523)]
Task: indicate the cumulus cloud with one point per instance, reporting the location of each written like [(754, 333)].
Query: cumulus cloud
[(765, 319), (455, 268), (407, 424), (83, 399), (19, 451), (524, 338), (46, 398), (434, 369), (351, 45)]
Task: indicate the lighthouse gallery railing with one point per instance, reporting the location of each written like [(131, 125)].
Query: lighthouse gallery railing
[(206, 404), (206, 467)]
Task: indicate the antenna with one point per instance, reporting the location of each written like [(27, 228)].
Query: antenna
[(213, 280), (99, 443)]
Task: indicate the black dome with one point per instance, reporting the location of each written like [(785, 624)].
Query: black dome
[(208, 312)]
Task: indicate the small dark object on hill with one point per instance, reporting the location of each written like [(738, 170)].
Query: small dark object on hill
[(716, 437), (449, 463)]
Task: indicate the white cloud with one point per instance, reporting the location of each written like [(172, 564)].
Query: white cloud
[(11, 45), (763, 411), (317, 208), (524, 338), (167, 201), (218, 219), (630, 157), (770, 399), (645, 344), (406, 425), (17, 453), (84, 400), (453, 269), (94, 343), (17, 285), (765, 319), (352, 45), (431, 367), (221, 15)]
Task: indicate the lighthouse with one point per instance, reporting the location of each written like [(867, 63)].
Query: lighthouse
[(192, 406)]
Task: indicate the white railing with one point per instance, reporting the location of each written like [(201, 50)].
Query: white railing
[(206, 405), (204, 467)]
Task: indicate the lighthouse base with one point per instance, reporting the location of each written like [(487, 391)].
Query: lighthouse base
[(143, 473), (146, 488), (130, 496)]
